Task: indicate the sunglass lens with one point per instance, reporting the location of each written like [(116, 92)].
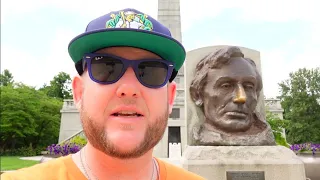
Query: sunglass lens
[(153, 73), (106, 69)]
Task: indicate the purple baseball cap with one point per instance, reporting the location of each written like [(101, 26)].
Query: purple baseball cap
[(127, 27)]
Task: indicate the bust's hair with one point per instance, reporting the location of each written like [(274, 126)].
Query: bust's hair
[(216, 60)]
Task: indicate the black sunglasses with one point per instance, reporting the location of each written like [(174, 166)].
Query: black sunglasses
[(108, 69)]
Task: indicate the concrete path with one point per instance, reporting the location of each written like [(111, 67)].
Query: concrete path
[(34, 158)]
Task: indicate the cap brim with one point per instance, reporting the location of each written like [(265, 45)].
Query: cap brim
[(164, 46)]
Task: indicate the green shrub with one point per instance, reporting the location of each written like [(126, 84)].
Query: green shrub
[(280, 140), (78, 140), (23, 151), (277, 125)]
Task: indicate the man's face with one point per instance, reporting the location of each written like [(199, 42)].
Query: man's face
[(230, 96), (106, 110)]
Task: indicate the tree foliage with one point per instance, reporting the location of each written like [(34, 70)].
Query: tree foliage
[(59, 86), (29, 117), (6, 78), (278, 125), (300, 99)]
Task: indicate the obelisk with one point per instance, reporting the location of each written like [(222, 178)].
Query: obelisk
[(169, 15)]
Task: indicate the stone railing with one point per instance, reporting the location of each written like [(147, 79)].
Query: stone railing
[(68, 104), (273, 105), (79, 133)]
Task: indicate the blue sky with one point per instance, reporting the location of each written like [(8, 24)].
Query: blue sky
[(35, 34)]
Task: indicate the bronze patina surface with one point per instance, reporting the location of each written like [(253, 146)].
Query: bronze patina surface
[(226, 87)]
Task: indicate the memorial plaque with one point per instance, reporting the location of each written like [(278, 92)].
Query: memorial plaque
[(245, 175)]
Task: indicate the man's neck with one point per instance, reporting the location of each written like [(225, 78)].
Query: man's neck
[(104, 166)]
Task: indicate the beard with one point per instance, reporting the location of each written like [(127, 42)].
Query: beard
[(98, 136)]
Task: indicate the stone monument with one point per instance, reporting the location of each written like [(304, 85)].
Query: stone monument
[(228, 136)]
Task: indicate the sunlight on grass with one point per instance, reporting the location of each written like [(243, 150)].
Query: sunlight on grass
[(14, 163)]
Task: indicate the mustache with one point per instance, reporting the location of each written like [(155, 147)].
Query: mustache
[(234, 108), (124, 102)]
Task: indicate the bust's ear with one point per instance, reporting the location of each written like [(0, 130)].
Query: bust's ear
[(195, 96)]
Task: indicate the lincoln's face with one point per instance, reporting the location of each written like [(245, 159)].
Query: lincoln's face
[(230, 96)]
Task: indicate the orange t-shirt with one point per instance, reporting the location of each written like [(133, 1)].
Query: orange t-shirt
[(64, 168)]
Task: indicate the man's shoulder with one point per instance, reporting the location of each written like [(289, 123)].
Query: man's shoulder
[(176, 172), (47, 170)]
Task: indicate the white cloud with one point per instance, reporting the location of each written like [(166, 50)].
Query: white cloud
[(22, 65), (36, 70), (308, 54), (307, 59), (95, 8), (193, 11), (279, 62), (58, 58), (274, 70), (279, 11), (314, 34), (214, 41), (17, 8), (87, 9)]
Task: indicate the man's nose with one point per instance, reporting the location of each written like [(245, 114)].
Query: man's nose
[(240, 96), (128, 85)]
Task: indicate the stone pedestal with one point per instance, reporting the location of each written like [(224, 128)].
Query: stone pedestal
[(243, 163)]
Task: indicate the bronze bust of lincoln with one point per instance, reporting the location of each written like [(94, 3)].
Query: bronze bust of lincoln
[(226, 87)]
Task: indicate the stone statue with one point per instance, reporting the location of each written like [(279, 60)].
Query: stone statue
[(226, 88)]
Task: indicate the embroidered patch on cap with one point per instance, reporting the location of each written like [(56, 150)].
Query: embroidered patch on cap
[(129, 19)]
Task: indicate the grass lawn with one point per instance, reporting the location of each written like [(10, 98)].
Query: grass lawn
[(13, 163)]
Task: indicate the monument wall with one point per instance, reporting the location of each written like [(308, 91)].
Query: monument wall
[(70, 120)]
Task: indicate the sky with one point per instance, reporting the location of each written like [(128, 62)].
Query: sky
[(35, 34)]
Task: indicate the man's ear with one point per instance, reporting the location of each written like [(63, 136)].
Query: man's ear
[(172, 90), (77, 90), (195, 96)]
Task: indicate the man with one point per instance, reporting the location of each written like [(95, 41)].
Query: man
[(124, 92), (226, 87)]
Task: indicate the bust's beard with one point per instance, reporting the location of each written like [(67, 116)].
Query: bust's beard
[(258, 134), (232, 128)]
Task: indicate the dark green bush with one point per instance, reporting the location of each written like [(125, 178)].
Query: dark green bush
[(23, 151)]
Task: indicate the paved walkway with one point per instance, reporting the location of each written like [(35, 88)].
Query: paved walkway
[(34, 158)]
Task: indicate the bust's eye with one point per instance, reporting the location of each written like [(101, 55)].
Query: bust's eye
[(226, 85), (249, 86)]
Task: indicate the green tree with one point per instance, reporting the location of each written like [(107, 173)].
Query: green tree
[(28, 117), (277, 125), (60, 86), (18, 109), (6, 78), (300, 95), (47, 121)]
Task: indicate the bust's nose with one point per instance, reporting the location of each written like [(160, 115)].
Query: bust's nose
[(240, 95)]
